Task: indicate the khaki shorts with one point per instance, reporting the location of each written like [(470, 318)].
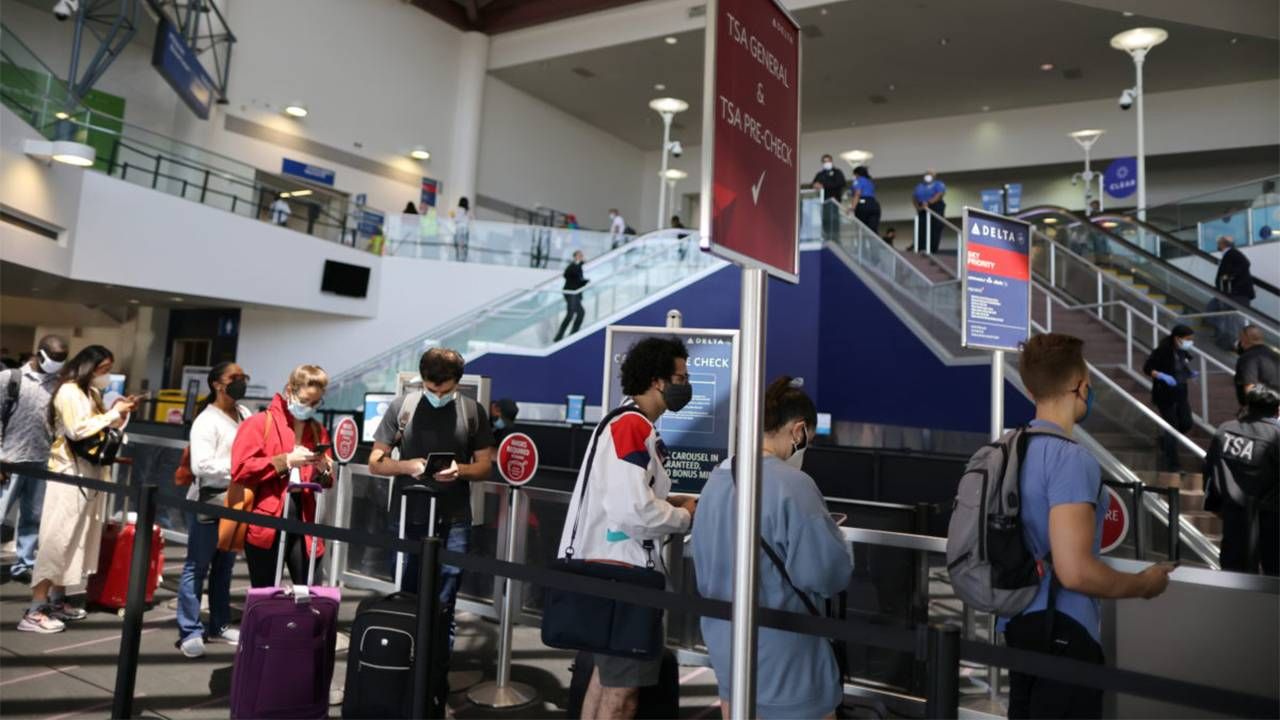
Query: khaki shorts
[(622, 672)]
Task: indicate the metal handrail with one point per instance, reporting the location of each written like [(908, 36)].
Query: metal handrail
[(897, 258)]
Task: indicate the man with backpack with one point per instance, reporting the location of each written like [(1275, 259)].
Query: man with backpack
[(1024, 540), (25, 392)]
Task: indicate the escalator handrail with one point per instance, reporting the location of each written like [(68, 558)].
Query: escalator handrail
[(1164, 237)]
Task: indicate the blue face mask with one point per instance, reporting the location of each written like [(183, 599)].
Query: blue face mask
[(499, 424), (301, 411), (436, 401), (1088, 406)]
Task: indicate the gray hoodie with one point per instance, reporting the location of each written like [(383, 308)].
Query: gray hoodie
[(796, 674)]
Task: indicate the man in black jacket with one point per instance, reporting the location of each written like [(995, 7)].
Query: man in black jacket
[(1234, 279), (1243, 484), (1258, 364), (831, 181), (573, 284)]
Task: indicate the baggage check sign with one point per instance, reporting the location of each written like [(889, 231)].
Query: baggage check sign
[(750, 134), (997, 281)]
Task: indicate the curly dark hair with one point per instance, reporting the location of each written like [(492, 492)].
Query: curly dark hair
[(650, 359), (439, 365)]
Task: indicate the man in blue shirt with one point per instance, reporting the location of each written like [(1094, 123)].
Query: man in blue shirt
[(1062, 514), (928, 195)]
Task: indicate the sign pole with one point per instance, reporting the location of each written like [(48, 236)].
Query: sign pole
[(747, 543), (997, 394)]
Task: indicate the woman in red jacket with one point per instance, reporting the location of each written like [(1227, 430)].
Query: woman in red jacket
[(268, 447)]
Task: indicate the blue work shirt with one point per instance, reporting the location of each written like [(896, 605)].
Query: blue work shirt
[(1057, 472), (925, 190), (864, 186)]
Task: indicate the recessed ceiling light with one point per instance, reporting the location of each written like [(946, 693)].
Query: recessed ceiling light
[(1110, 224), (63, 116), (1050, 221), (420, 153), (985, 108), (297, 111), (852, 123), (1046, 66), (892, 87), (1234, 41), (1127, 13), (133, 301), (299, 193), (671, 40), (659, 86), (175, 298), (944, 41)]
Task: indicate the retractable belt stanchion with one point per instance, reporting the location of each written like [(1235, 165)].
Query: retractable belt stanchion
[(428, 657), (503, 692), (942, 686), (135, 606)]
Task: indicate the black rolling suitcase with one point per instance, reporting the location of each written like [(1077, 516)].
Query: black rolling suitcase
[(657, 702)]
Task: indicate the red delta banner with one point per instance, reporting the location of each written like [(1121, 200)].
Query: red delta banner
[(751, 132)]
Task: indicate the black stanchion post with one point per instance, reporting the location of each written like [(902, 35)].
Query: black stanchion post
[(428, 656), (1175, 526), (135, 605), (942, 687)]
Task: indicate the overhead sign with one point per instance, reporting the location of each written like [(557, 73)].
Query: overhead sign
[(430, 189), (312, 173), (993, 200), (1115, 526), (750, 133), (1120, 179), (700, 436), (177, 63), (996, 281), (369, 222), (1013, 198), (517, 459), (346, 437)]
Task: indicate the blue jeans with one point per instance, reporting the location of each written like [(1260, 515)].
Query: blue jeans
[(204, 558), (457, 540), (28, 492)]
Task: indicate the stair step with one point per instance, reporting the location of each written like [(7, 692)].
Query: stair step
[(1205, 522), (1191, 500)]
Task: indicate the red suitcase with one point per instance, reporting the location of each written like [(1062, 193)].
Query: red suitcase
[(109, 586)]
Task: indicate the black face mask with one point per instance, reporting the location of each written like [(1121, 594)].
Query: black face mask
[(677, 396), (1238, 348), (237, 389)]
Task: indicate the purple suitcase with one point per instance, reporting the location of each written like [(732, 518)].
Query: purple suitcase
[(284, 662)]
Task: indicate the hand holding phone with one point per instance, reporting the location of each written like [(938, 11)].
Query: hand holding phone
[(442, 467)]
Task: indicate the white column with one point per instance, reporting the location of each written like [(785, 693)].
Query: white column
[(464, 155), (1138, 58)]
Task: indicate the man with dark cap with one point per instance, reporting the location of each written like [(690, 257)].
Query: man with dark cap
[(502, 416)]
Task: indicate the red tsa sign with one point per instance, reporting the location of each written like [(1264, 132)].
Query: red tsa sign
[(345, 439), (750, 135), (517, 459), (1116, 524)]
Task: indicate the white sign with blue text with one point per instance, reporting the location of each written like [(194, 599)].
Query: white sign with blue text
[(996, 281), (700, 436)]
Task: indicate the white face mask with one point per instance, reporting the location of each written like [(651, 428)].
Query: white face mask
[(49, 366), (1187, 344), (101, 381), (928, 178), (827, 166), (796, 460)]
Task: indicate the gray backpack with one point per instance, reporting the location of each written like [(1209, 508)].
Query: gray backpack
[(991, 568)]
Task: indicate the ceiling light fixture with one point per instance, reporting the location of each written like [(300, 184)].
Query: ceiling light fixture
[(176, 299), (671, 40), (945, 41), (61, 115), (1046, 66), (63, 151), (986, 108), (298, 111), (420, 153), (674, 174), (856, 157), (1127, 13), (1234, 41), (1050, 221), (892, 87), (133, 301), (659, 87), (1139, 39), (1110, 224), (298, 193)]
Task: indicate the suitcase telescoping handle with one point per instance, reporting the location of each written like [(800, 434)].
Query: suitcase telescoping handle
[(124, 497), (431, 522), (300, 591)]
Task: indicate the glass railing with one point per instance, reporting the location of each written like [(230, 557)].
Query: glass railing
[(494, 243), (1172, 272), (528, 321), (1184, 218)]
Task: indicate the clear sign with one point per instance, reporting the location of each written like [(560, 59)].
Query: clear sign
[(750, 133), (346, 437), (996, 281), (517, 459), (699, 437), (1120, 179)]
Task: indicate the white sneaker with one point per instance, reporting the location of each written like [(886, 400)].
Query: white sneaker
[(37, 621), (67, 613), (227, 636), (192, 647)]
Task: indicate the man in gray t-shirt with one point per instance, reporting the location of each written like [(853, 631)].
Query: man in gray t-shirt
[(25, 393)]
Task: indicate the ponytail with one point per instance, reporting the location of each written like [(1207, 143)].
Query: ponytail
[(785, 402), (215, 374)]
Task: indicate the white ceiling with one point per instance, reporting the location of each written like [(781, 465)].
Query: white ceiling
[(882, 61)]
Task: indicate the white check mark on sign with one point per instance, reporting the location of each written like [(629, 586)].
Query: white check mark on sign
[(755, 189)]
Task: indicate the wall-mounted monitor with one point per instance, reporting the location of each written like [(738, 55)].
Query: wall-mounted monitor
[(375, 406), (345, 279), (824, 425), (575, 409)]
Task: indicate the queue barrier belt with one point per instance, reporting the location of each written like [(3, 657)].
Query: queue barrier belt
[(856, 631)]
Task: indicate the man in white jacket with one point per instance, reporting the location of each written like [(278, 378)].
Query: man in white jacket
[(628, 511)]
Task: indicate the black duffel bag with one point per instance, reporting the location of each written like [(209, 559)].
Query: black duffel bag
[(578, 621)]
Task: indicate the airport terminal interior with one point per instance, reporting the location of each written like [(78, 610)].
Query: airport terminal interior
[(324, 212)]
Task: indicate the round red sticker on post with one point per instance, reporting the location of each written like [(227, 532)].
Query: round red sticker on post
[(517, 459), (346, 437), (1115, 526)]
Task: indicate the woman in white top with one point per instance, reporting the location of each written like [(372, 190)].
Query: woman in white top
[(462, 230), (71, 518), (212, 434)]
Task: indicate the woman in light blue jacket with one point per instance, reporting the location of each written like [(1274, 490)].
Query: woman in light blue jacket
[(796, 674)]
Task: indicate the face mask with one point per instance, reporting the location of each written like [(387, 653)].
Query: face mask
[(48, 365), (826, 166), (101, 381), (1088, 406), (499, 424), (237, 389), (436, 401), (928, 178), (1187, 344), (1238, 348), (301, 411), (677, 396), (796, 459)]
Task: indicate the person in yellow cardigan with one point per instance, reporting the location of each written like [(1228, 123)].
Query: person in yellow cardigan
[(71, 520)]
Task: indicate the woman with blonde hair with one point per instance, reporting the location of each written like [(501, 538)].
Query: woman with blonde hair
[(71, 519)]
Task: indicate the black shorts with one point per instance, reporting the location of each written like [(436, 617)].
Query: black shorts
[(1036, 697)]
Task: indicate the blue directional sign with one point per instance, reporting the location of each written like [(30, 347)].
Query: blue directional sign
[(313, 173), (996, 312), (177, 63), (993, 200)]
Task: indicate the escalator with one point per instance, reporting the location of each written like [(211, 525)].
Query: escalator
[(525, 322)]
